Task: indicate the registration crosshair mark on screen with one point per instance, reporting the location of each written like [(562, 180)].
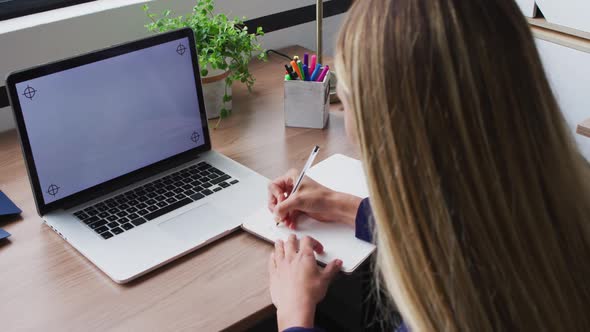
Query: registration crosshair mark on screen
[(53, 190), (29, 92)]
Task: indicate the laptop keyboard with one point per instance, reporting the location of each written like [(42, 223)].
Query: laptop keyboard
[(135, 207)]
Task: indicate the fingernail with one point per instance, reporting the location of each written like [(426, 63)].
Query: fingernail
[(277, 219), (338, 262)]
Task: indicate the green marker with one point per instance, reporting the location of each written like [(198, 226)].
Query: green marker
[(301, 70), (287, 77)]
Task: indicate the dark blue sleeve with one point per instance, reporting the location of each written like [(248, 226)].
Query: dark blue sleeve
[(363, 222), (402, 328), (303, 329)]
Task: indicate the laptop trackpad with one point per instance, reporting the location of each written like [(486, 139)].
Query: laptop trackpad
[(197, 225)]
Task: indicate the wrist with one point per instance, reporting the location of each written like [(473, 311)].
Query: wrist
[(303, 317), (345, 207)]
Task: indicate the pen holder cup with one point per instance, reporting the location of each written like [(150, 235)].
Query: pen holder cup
[(307, 104)]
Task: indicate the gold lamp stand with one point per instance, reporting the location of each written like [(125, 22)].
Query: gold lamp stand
[(319, 36), (319, 28)]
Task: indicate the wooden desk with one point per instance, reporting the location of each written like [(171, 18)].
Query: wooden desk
[(584, 128), (47, 285)]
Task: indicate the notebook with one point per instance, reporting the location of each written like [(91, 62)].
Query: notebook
[(340, 173)]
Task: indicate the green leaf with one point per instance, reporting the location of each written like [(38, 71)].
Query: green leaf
[(204, 72), (224, 113), (222, 43), (226, 98)]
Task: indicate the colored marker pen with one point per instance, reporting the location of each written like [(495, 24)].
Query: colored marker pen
[(316, 72), (312, 63), (296, 68), (323, 73), (300, 65), (306, 75), (290, 72), (306, 59)]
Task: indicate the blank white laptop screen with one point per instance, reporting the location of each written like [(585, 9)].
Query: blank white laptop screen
[(93, 123)]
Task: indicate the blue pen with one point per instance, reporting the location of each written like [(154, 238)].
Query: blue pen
[(316, 72), (306, 72)]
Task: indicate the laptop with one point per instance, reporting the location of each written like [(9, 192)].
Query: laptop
[(119, 155)]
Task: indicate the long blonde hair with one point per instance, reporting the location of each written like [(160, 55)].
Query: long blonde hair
[(481, 200)]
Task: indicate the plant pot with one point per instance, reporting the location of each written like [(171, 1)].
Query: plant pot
[(213, 91)]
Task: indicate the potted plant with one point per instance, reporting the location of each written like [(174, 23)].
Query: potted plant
[(225, 49)]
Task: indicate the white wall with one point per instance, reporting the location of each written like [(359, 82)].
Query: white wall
[(527, 7), (568, 71), (25, 42), (568, 13)]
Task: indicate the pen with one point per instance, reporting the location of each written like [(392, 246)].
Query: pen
[(301, 70), (323, 73), (290, 72), (312, 63), (306, 73), (296, 68), (306, 59), (287, 77), (316, 72), (307, 165)]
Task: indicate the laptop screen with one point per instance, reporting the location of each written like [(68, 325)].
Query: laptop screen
[(93, 123)]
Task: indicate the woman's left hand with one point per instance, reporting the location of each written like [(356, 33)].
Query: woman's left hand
[(297, 283)]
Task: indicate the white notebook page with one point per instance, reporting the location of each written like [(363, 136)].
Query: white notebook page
[(339, 173)]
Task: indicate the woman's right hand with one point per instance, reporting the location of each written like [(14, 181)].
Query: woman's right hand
[(312, 199)]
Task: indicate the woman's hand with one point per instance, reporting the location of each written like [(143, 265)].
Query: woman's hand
[(311, 198), (297, 283)]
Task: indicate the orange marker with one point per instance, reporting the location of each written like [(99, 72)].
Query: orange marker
[(296, 68)]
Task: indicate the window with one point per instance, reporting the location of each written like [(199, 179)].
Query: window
[(15, 8)]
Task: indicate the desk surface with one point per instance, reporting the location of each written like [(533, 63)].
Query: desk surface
[(47, 285), (584, 128)]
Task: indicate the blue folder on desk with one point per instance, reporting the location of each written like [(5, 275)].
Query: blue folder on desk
[(7, 207)]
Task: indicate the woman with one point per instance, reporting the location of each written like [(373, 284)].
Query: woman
[(479, 196)]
